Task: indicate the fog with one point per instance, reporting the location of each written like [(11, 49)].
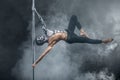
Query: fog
[(100, 19)]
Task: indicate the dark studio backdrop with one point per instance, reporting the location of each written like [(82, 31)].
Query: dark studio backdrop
[(100, 18)]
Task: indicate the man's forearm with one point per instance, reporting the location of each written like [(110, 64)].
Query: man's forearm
[(43, 54)]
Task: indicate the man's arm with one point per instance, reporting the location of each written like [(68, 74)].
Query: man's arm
[(50, 46)]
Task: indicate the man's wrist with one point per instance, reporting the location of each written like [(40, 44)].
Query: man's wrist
[(35, 63)]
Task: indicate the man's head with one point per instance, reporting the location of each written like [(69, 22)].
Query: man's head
[(40, 40)]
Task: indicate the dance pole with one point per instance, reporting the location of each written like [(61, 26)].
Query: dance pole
[(33, 34)]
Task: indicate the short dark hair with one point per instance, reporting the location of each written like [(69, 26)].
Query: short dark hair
[(40, 40)]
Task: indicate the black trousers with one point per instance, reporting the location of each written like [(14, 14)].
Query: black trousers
[(73, 38)]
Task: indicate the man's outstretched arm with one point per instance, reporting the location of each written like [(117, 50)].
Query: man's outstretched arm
[(50, 46)]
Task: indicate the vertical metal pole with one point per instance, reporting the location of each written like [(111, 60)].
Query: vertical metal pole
[(33, 34)]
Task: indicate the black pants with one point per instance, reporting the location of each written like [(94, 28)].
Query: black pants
[(73, 38)]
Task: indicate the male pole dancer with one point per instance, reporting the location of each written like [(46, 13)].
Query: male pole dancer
[(68, 35)]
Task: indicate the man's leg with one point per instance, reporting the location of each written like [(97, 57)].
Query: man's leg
[(91, 41), (96, 41), (73, 23), (77, 39)]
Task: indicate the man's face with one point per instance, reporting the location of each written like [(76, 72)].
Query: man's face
[(42, 38)]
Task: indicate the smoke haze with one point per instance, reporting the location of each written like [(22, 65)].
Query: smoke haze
[(77, 61), (99, 18)]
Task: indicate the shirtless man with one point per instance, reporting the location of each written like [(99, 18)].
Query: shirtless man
[(68, 35)]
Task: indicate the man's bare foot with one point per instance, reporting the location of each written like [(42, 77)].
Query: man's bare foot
[(107, 40), (84, 34)]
